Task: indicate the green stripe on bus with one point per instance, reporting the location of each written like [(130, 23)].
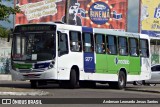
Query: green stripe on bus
[(23, 66), (111, 64)]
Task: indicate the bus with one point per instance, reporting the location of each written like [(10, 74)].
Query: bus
[(78, 56)]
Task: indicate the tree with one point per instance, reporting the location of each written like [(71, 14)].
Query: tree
[(4, 32), (5, 11)]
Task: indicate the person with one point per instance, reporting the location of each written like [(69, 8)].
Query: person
[(108, 50), (133, 52), (100, 48), (75, 46), (73, 17)]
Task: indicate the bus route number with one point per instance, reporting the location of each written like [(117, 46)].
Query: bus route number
[(88, 59)]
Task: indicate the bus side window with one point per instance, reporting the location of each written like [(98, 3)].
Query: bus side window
[(100, 43), (111, 44), (88, 43), (75, 41), (62, 44), (144, 47), (123, 45), (133, 44)]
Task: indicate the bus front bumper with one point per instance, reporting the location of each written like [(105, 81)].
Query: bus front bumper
[(47, 74)]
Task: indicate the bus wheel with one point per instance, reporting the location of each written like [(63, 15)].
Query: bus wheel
[(34, 83), (121, 80), (73, 79)]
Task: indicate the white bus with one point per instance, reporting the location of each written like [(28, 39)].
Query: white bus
[(75, 55)]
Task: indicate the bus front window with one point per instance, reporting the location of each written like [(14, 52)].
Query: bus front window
[(34, 46)]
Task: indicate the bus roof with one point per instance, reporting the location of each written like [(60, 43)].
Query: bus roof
[(64, 26)]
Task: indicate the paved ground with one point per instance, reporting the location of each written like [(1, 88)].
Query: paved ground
[(11, 87), (7, 85), (21, 89)]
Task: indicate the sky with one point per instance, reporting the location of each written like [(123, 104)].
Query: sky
[(132, 15)]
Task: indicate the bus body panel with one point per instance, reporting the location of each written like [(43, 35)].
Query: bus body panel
[(67, 61), (101, 59), (88, 57), (89, 62), (101, 63), (112, 64), (135, 66), (146, 61)]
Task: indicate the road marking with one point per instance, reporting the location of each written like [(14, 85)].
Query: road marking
[(38, 93)]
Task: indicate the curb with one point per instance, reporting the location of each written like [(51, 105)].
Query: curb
[(5, 77), (143, 90)]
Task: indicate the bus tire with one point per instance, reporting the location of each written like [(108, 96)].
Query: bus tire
[(73, 79), (121, 84), (34, 83)]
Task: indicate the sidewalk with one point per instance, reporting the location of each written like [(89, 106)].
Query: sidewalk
[(19, 88), (5, 77)]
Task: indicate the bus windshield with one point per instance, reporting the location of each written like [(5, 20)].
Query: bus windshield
[(33, 46)]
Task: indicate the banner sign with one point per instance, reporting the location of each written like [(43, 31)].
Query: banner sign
[(150, 17), (92, 13), (99, 13), (39, 9)]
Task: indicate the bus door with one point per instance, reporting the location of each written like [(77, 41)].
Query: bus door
[(101, 57), (145, 56), (62, 59), (88, 48)]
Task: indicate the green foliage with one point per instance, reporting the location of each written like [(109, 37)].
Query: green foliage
[(5, 11), (4, 32)]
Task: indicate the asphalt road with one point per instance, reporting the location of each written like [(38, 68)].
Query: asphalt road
[(54, 91)]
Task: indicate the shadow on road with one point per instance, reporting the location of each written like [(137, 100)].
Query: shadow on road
[(26, 85)]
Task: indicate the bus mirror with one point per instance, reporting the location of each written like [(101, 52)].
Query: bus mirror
[(59, 33), (8, 39), (9, 36)]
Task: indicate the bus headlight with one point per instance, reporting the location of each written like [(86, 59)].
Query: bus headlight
[(51, 65)]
